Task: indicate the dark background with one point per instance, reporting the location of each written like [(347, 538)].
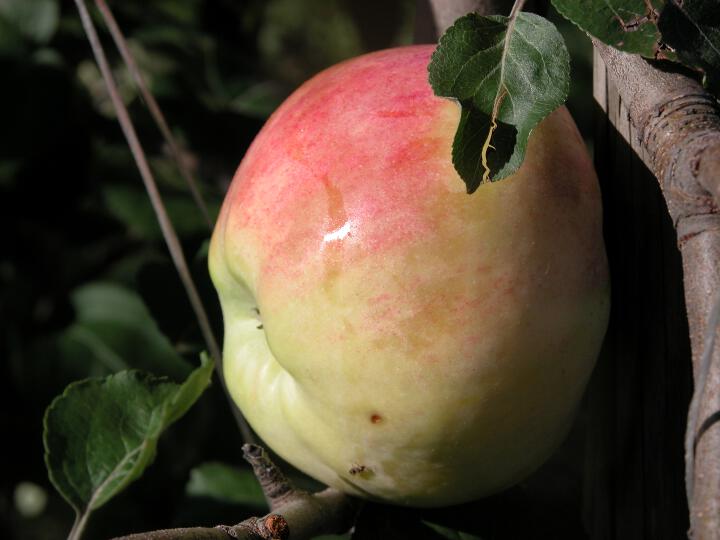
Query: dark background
[(75, 218)]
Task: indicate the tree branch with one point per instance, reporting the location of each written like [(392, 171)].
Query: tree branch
[(169, 234), (153, 107), (295, 514), (276, 487), (679, 130)]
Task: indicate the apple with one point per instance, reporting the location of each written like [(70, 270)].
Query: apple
[(385, 332)]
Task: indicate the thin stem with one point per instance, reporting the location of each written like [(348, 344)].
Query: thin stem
[(705, 363), (168, 231), (153, 107), (78, 527), (171, 238), (517, 8)]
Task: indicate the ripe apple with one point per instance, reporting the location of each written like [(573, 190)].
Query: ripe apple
[(385, 332)]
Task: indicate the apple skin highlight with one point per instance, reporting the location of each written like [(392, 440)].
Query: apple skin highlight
[(385, 332)]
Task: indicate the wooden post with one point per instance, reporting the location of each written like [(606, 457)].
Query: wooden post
[(641, 388)]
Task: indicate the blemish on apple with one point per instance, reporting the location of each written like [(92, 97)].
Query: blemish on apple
[(358, 469)]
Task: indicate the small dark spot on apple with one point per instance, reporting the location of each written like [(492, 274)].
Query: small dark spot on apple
[(256, 310), (357, 469), (376, 418), (260, 327)]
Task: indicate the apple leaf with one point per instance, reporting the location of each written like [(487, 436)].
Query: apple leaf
[(226, 484), (131, 207), (507, 74), (628, 25), (692, 28), (114, 327), (102, 433)]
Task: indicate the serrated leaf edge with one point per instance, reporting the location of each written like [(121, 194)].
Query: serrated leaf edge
[(142, 450)]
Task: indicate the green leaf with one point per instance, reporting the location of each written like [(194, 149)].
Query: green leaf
[(628, 25), (113, 325), (102, 433), (34, 19), (132, 207), (507, 77), (692, 28), (226, 484)]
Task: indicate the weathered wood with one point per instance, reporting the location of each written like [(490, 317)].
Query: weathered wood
[(640, 391)]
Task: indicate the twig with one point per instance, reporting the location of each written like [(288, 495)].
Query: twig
[(294, 513), (153, 107), (275, 485), (171, 238), (517, 8)]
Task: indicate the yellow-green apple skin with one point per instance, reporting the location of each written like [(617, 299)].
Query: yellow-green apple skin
[(385, 332)]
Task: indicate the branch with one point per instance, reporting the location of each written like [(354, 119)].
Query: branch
[(295, 514), (276, 487), (153, 107), (678, 128), (166, 226)]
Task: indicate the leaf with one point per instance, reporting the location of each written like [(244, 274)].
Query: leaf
[(102, 433), (114, 326), (35, 19), (628, 25), (226, 484), (692, 28), (132, 207), (507, 78)]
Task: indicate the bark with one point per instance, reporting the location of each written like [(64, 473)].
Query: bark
[(678, 128), (294, 514)]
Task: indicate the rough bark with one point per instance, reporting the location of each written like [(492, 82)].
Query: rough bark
[(678, 128)]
